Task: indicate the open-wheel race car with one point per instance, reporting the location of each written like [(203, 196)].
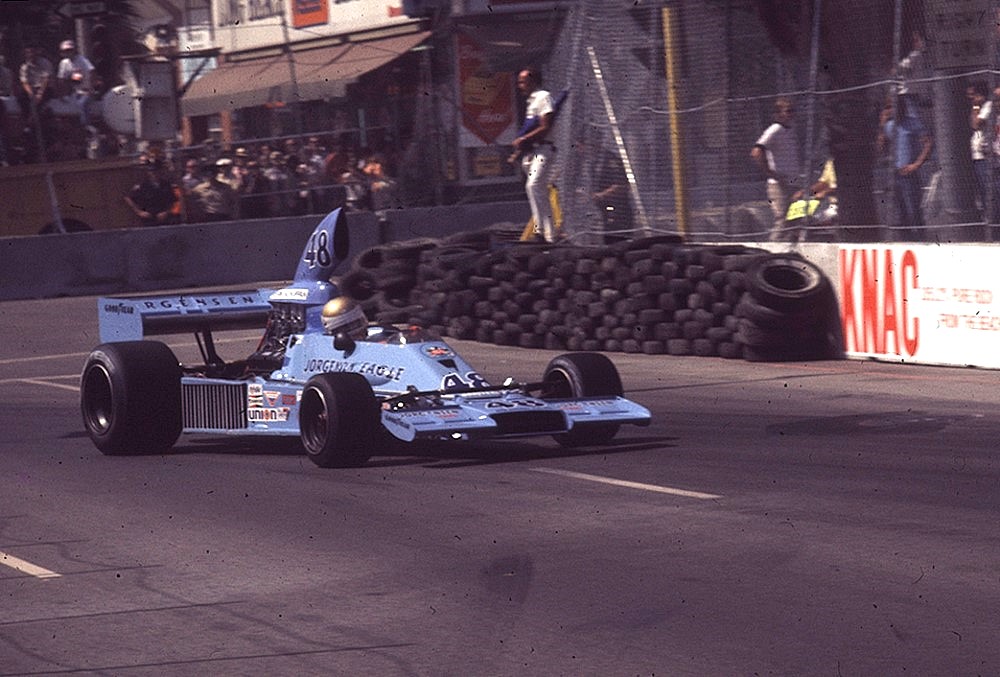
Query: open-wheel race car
[(322, 373)]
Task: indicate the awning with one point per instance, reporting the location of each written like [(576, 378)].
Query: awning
[(510, 45), (320, 73)]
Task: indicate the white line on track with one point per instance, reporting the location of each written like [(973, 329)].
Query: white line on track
[(44, 382), (62, 356), (39, 358), (26, 567), (630, 485)]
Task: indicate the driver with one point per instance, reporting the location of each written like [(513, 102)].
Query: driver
[(343, 315)]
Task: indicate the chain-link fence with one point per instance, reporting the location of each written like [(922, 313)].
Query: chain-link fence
[(667, 101)]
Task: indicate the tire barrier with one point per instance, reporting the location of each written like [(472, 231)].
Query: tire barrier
[(653, 295)]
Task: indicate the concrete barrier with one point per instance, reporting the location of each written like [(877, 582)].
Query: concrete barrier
[(137, 260)]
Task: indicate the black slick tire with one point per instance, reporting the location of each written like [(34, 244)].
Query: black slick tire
[(576, 375), (130, 398), (339, 420)]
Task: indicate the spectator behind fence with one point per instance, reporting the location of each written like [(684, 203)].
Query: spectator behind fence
[(354, 181), (154, 199), (302, 193), (35, 76), (238, 173), (8, 108), (777, 153), (382, 187), (278, 179), (214, 198), (36, 80), (612, 196), (254, 193), (904, 135), (537, 152), (994, 134), (73, 78), (981, 111), (335, 168), (192, 175)]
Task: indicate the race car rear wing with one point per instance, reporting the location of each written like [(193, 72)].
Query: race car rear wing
[(131, 319)]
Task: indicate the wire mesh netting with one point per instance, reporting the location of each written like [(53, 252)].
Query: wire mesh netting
[(667, 101)]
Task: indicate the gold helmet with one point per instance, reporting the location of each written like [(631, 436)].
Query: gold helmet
[(344, 316)]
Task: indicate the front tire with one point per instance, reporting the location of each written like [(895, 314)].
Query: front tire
[(130, 397), (576, 375), (339, 419)]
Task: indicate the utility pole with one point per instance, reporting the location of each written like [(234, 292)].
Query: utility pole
[(296, 103)]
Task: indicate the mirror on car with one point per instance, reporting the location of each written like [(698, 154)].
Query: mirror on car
[(344, 343)]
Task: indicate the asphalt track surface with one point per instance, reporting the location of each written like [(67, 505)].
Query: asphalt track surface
[(822, 518)]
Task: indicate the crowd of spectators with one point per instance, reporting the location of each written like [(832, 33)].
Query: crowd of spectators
[(288, 177)]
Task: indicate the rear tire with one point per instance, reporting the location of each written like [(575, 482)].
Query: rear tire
[(339, 420), (576, 375), (130, 397)]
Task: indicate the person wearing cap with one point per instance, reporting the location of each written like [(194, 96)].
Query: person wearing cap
[(153, 200), (214, 199), (238, 172), (75, 70), (73, 77)]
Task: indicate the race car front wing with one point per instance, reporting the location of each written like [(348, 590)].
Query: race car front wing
[(518, 416)]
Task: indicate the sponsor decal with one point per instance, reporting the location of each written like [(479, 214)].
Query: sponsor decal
[(423, 413), (364, 368), (262, 414), (933, 305), (514, 404), (455, 381), (255, 395), (290, 294), (199, 303), (272, 397), (877, 291), (289, 399), (438, 351), (119, 308), (581, 406)]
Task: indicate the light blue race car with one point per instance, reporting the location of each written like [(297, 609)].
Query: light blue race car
[(323, 374)]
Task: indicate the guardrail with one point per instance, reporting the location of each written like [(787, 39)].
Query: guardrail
[(906, 303), (134, 260)]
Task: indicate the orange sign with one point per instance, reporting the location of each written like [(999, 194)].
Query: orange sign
[(310, 12)]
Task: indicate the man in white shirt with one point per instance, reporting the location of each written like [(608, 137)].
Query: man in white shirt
[(977, 94), (74, 77), (537, 151), (777, 154)]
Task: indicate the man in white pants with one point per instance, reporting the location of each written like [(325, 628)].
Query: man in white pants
[(537, 151)]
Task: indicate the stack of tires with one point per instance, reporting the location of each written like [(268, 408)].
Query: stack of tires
[(789, 312), (652, 295)]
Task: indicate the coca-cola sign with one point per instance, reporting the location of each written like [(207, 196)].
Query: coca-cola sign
[(487, 97)]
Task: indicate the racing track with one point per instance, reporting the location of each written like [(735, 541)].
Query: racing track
[(836, 518)]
